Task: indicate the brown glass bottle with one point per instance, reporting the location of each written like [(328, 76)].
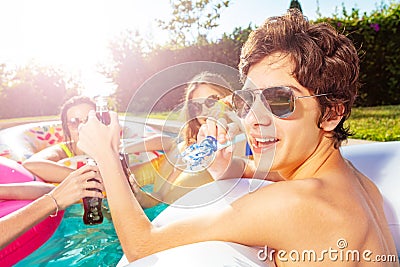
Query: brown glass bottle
[(92, 205), (102, 111)]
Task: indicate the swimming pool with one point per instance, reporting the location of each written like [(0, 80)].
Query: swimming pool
[(77, 244)]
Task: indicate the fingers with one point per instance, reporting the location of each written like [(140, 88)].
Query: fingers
[(86, 168), (88, 183), (211, 127), (135, 188), (94, 184), (215, 128), (222, 127), (233, 130), (93, 193), (202, 133), (84, 176)]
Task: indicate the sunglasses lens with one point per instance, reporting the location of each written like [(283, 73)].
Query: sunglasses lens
[(195, 109), (210, 101), (74, 122), (242, 102), (280, 101)]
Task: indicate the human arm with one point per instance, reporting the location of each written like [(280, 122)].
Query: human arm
[(44, 164), (70, 191), (146, 200), (27, 190), (137, 235), (151, 143)]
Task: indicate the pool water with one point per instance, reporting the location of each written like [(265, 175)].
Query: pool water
[(77, 244)]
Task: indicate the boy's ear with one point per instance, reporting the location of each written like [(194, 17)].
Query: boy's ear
[(332, 117)]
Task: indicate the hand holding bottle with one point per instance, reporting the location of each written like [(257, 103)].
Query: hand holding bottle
[(95, 138), (77, 185)]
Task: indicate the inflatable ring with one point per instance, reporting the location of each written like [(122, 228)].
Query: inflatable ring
[(74, 162), (12, 172)]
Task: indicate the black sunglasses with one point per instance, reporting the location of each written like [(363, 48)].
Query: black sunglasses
[(74, 122), (280, 100), (195, 107)]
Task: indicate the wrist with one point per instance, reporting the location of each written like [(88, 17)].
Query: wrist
[(48, 195), (106, 157)]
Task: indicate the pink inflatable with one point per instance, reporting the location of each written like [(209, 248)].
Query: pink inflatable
[(12, 172)]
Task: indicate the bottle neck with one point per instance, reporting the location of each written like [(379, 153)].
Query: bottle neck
[(101, 104), (101, 108)]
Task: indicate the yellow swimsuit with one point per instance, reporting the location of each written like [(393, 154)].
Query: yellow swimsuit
[(67, 151)]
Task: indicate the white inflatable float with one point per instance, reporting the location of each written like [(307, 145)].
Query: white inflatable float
[(22, 141), (379, 161)]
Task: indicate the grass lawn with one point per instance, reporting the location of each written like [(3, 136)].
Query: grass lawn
[(367, 123), (375, 123)]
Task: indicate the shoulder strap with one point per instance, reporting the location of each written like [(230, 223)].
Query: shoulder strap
[(65, 148)]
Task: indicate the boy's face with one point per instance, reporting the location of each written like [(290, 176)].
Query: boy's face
[(283, 144)]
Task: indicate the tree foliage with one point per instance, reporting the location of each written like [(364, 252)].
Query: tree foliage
[(377, 38), (32, 91), (295, 4), (129, 69), (191, 20)]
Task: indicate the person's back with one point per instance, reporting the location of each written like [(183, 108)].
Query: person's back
[(383, 243)]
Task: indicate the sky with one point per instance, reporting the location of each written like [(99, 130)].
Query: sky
[(74, 34)]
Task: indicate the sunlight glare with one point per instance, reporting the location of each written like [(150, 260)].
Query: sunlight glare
[(70, 34)]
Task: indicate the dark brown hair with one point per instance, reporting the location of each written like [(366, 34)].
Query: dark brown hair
[(325, 62), (72, 102)]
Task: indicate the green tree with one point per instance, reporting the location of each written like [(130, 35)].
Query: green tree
[(129, 69), (295, 4), (376, 38), (33, 91), (191, 20), (2, 77)]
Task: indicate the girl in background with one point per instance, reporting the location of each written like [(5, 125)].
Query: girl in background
[(46, 163)]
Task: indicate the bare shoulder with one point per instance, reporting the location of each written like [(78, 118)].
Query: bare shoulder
[(286, 212)]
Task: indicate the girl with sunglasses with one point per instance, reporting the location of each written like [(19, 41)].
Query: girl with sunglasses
[(301, 81), (45, 163), (203, 96)]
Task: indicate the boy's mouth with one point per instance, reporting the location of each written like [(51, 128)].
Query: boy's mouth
[(263, 142)]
